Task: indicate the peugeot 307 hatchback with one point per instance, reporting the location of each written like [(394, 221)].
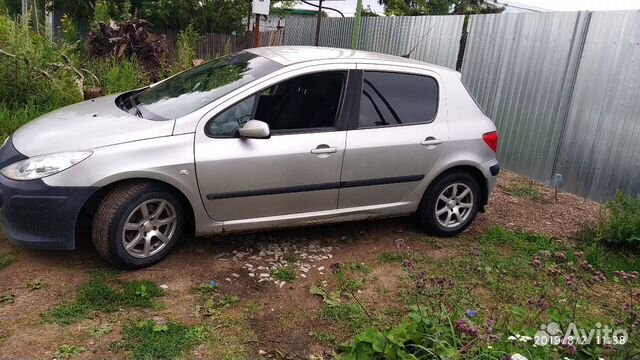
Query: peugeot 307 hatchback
[(264, 138)]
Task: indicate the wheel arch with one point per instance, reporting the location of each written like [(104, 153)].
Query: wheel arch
[(90, 206), (475, 172)]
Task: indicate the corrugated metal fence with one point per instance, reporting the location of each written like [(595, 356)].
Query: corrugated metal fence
[(564, 90), (600, 150), (521, 68), (562, 87), (438, 37)]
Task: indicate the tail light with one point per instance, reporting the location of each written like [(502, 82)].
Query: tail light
[(491, 139)]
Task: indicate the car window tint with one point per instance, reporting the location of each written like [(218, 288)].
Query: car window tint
[(227, 123), (304, 102), (397, 99)]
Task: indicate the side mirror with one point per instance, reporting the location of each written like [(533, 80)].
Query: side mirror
[(255, 129)]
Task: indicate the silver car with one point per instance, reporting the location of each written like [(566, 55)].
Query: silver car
[(265, 138)]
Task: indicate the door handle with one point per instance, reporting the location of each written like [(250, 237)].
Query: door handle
[(323, 149), (431, 141)]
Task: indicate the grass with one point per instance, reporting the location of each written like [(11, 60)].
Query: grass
[(213, 308), (286, 274), (36, 284), (99, 296), (324, 337), (204, 289), (100, 330), (496, 275), (351, 276), (6, 260), (348, 316), (525, 192), (68, 351), (7, 299), (148, 340)]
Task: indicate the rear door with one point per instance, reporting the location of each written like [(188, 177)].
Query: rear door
[(398, 134)]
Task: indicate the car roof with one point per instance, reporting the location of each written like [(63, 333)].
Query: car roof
[(289, 55)]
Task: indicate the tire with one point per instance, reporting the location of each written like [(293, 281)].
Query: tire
[(162, 224), (434, 221)]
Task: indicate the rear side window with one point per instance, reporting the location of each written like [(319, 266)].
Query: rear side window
[(397, 99)]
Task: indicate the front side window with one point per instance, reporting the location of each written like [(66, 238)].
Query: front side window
[(197, 87), (397, 99), (308, 102)]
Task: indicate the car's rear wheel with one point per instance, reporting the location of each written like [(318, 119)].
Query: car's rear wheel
[(450, 204), (137, 224)]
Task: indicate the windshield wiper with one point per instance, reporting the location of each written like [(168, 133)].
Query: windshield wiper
[(134, 106)]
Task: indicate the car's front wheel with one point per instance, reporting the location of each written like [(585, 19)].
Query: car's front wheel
[(137, 224), (450, 204)]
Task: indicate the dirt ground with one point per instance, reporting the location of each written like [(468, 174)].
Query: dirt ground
[(279, 319)]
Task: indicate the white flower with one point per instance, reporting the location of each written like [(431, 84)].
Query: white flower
[(517, 356), (491, 347), (511, 337)]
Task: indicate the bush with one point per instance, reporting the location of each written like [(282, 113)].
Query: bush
[(118, 76), (33, 70), (186, 48), (620, 222)]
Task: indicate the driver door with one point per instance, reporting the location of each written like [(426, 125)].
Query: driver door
[(296, 170)]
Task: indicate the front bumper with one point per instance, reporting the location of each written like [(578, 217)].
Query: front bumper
[(36, 215)]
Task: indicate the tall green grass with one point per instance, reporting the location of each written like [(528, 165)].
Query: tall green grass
[(620, 222)]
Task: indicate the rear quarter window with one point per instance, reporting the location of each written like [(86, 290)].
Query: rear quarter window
[(390, 98)]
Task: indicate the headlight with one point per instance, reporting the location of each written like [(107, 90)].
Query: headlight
[(44, 165)]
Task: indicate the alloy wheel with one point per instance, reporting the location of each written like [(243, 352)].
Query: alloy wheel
[(149, 228), (454, 205)]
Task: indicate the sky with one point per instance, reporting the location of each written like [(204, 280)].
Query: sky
[(348, 6)]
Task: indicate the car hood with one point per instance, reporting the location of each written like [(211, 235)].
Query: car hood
[(86, 125)]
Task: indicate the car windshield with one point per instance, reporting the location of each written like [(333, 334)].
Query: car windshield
[(197, 87)]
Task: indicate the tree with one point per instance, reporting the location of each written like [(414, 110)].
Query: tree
[(438, 7)]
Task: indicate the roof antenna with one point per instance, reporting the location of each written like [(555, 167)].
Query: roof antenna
[(421, 40)]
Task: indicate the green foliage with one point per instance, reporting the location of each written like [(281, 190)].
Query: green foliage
[(120, 76), (213, 308), (33, 70), (68, 351), (218, 16), (148, 340), (98, 295), (330, 299), (285, 273), (7, 299), (324, 337), (36, 284), (516, 281), (186, 48), (101, 13), (525, 192), (6, 260), (204, 289), (69, 31), (620, 223), (351, 316), (438, 7), (101, 330)]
